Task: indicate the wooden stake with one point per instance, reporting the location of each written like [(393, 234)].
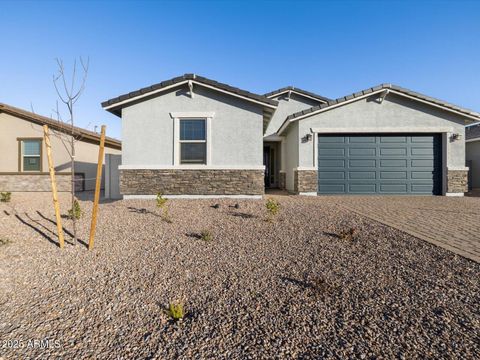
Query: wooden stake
[(97, 188), (56, 205)]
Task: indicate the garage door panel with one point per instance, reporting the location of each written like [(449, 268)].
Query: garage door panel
[(362, 188), (426, 151), (361, 152), (332, 139), (332, 163), (393, 188), (393, 139), (393, 151), (362, 139), (396, 163), (332, 175), (333, 152), (362, 163), (362, 175), (382, 164), (332, 188), (393, 175)]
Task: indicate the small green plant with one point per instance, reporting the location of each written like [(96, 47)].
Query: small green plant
[(4, 241), (76, 211), (206, 235), (348, 234), (5, 196), (176, 311), (273, 207), (162, 204)]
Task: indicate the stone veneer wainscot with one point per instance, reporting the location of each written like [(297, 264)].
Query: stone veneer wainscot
[(191, 182)]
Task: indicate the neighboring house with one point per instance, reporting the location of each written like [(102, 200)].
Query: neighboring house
[(23, 161), (472, 140), (191, 136)]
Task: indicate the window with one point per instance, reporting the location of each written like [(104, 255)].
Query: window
[(31, 154), (193, 141)]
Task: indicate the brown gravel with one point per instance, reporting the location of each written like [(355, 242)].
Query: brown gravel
[(287, 289)]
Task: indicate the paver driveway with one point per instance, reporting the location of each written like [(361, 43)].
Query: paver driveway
[(452, 223)]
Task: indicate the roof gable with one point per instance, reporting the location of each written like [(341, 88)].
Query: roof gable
[(304, 93), (83, 134), (115, 105), (472, 132), (383, 89)]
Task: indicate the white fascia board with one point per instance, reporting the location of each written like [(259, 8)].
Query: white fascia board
[(298, 93), (273, 138), (186, 82), (190, 167), (191, 197), (458, 168), (192, 114), (286, 123), (472, 140), (389, 129)]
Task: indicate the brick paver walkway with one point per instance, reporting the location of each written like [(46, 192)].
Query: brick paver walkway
[(452, 223)]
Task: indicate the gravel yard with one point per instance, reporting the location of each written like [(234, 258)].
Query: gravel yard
[(291, 288)]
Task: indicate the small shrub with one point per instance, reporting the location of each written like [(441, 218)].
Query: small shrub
[(273, 207), (349, 234), (5, 196), (206, 235), (4, 241), (76, 211), (161, 201), (162, 204), (176, 311)]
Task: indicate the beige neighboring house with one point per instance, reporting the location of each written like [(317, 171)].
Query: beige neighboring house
[(23, 159)]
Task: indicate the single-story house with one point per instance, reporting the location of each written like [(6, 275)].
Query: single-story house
[(24, 163), (472, 140), (191, 136)]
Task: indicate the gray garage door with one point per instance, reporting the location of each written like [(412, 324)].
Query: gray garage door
[(379, 164)]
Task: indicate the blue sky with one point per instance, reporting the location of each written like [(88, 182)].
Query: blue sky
[(330, 47)]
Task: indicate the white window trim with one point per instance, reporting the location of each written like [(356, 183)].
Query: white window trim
[(177, 116)]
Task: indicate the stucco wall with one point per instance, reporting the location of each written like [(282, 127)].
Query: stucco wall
[(473, 154), (13, 127), (236, 128), (287, 107)]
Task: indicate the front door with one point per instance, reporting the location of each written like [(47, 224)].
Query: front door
[(266, 163)]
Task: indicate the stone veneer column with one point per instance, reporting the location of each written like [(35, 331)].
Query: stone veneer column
[(282, 180), (457, 181), (305, 181)]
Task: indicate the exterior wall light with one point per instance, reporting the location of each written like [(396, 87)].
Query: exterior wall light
[(456, 137), (307, 138)]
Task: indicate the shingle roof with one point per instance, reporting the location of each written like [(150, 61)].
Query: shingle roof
[(385, 87), (196, 78), (85, 135), (472, 132), (297, 90)]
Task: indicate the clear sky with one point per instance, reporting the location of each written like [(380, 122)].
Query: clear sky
[(332, 48)]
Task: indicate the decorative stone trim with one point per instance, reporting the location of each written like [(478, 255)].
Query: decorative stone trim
[(457, 181), (33, 182), (191, 182), (305, 181), (282, 180)]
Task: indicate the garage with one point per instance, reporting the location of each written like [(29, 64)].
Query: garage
[(380, 164)]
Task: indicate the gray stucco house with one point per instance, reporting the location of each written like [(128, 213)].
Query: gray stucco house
[(472, 140), (191, 136)]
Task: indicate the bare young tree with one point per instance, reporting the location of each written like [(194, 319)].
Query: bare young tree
[(69, 89)]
